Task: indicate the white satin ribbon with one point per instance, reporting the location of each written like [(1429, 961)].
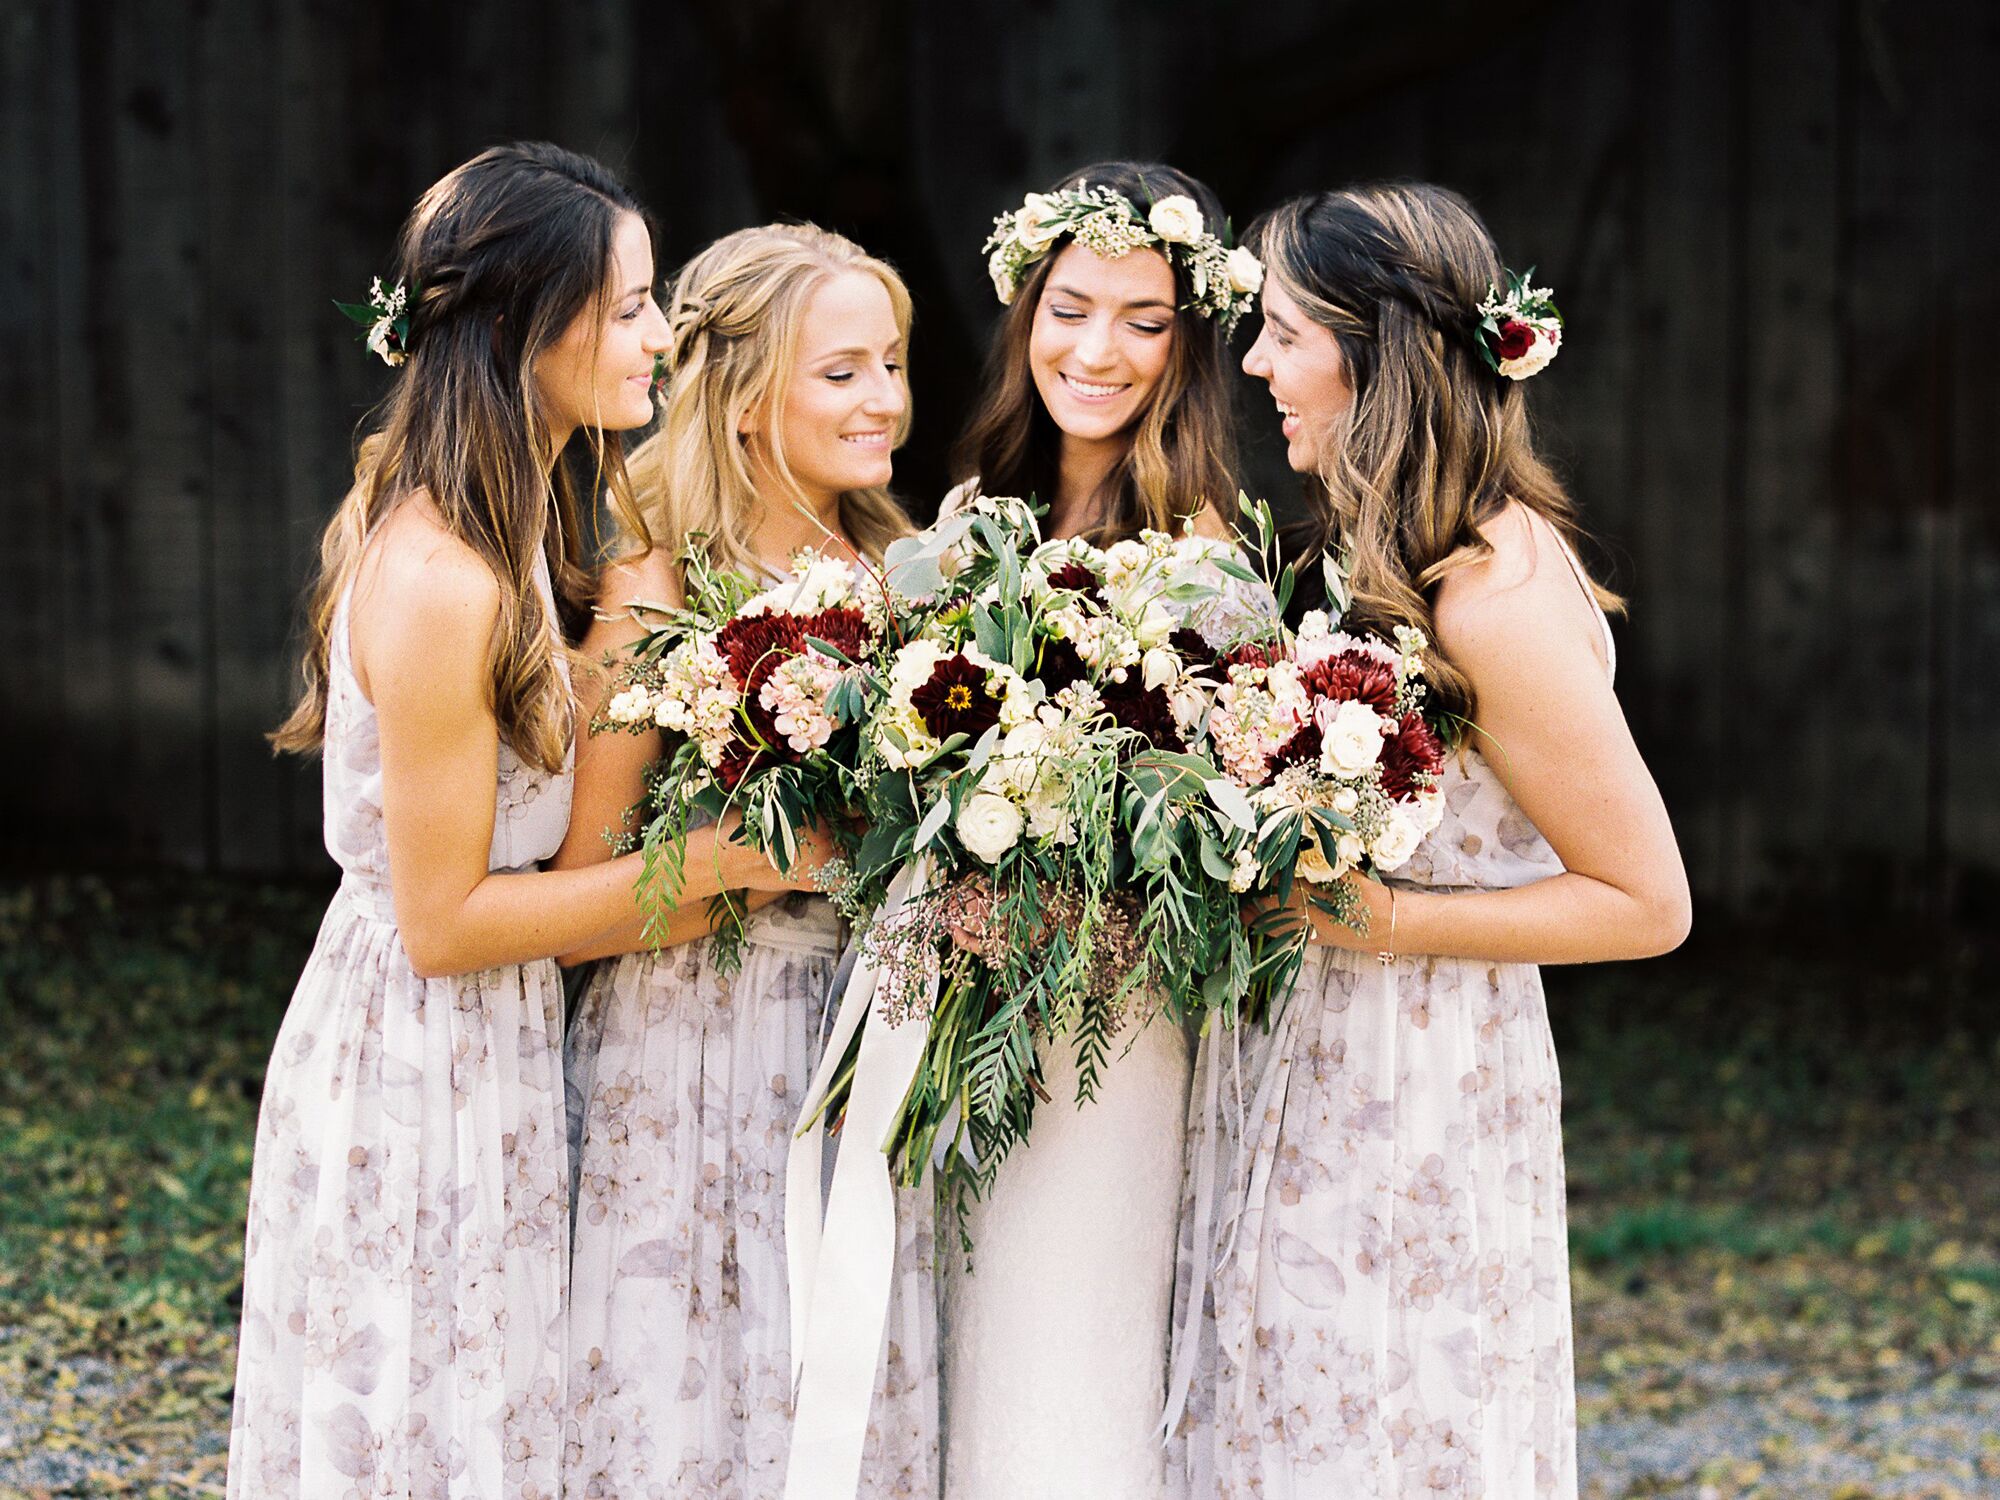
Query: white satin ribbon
[(842, 1259)]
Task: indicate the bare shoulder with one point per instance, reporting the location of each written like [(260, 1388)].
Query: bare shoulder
[(1522, 593), (422, 594)]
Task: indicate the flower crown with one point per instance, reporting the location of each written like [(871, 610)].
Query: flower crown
[(384, 319), (1225, 281), (1519, 332)]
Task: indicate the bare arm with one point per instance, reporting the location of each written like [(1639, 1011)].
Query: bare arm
[(1549, 724), (423, 622)]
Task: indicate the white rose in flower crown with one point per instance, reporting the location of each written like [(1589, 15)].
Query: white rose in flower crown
[(1543, 345), (989, 825), (1350, 737), (1246, 272), (1031, 226), (1396, 842), (1176, 219)]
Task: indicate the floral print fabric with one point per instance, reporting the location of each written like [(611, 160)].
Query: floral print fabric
[(407, 1250), (684, 1091)]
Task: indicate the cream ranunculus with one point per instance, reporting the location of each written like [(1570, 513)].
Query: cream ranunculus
[(1176, 220), (1350, 737), (989, 825), (1246, 272)]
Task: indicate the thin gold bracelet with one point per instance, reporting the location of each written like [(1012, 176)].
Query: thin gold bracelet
[(1386, 956)]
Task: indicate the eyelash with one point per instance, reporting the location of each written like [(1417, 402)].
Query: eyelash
[(841, 377), (1071, 315)]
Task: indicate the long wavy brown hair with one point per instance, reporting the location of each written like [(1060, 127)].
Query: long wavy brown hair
[(503, 254), (1435, 444), (1183, 451), (736, 313)]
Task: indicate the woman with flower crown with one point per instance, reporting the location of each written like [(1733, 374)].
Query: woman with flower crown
[(1106, 399), (408, 1247), (786, 399), (1375, 1293)]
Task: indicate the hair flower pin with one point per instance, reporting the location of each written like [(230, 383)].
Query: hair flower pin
[(1223, 280), (384, 319), (1519, 331)]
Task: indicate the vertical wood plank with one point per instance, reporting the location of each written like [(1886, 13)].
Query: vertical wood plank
[(1787, 806), (251, 605), (31, 636)]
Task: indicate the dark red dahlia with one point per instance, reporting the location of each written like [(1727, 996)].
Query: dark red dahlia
[(1413, 750), (1516, 339), (1352, 675), (755, 646), (1301, 749), (1192, 648), (1060, 666), (955, 700), (1133, 705), (1074, 575), (1249, 654)]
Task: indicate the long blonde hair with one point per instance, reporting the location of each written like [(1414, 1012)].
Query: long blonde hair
[(1435, 444), (736, 313), (1183, 451), (503, 254)]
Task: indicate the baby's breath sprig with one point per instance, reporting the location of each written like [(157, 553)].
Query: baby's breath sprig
[(384, 319)]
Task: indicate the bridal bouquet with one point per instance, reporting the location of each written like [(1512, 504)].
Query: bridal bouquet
[(759, 696), (1326, 733), (1030, 772)]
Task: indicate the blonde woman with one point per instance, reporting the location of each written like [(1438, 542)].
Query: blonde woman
[(1388, 1312), (787, 399)]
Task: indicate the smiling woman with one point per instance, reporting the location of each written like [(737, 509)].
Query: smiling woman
[(786, 400)]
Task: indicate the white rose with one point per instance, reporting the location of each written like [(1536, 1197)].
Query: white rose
[(1346, 800), (1030, 223), (1350, 737), (1246, 272), (1430, 811), (989, 825), (1350, 849), (1176, 220), (1395, 843)]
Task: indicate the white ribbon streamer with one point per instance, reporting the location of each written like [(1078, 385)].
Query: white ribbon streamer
[(842, 1259)]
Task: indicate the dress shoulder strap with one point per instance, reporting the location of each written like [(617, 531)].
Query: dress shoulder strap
[(1589, 593)]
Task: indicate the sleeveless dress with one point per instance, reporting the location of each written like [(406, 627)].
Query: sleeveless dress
[(405, 1267), (1055, 1332), (1382, 1308), (684, 1087)]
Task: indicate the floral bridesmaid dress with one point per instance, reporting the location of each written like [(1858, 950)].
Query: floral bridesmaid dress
[(407, 1256), (1373, 1288), (684, 1091)]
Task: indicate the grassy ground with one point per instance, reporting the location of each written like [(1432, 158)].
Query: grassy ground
[(1784, 1170)]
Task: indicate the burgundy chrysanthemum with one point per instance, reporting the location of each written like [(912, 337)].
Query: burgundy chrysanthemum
[(1352, 675), (955, 700), (1413, 750), (1249, 654), (755, 646), (1301, 749)]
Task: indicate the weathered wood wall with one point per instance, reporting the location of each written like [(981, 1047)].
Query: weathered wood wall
[(1772, 227)]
